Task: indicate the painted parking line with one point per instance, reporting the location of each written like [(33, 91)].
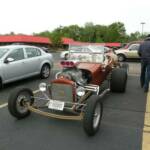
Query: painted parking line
[(36, 91), (133, 75), (3, 105), (146, 129), (6, 104)]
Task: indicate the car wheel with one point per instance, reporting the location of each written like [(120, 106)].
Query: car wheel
[(92, 115), (17, 100), (118, 80), (121, 57), (45, 71)]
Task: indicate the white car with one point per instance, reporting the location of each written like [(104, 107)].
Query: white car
[(129, 52), (22, 61), (64, 55)]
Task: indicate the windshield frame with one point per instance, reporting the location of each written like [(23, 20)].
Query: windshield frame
[(87, 53)]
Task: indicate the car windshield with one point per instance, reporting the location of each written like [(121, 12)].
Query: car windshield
[(88, 53), (3, 51)]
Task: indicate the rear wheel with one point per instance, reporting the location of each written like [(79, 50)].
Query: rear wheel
[(45, 71), (125, 66), (92, 115), (118, 80), (17, 102)]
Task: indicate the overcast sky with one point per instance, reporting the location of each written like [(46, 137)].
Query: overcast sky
[(28, 16)]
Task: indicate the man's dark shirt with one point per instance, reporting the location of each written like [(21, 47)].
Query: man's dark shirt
[(144, 51)]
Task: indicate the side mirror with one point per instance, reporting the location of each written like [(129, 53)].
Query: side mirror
[(8, 60)]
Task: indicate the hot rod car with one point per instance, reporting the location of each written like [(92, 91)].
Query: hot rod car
[(77, 91)]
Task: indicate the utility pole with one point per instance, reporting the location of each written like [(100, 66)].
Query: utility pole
[(142, 23)]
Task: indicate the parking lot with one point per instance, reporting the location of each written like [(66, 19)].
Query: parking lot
[(121, 128)]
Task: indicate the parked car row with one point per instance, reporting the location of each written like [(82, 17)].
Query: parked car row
[(64, 55), (22, 61), (128, 52)]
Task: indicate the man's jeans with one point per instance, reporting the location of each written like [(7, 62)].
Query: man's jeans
[(147, 78), (145, 75)]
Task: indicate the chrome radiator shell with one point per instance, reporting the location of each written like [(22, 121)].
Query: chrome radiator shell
[(62, 92)]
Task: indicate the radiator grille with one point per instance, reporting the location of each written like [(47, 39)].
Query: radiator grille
[(62, 92)]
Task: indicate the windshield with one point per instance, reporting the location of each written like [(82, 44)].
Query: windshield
[(3, 51), (86, 49), (88, 53)]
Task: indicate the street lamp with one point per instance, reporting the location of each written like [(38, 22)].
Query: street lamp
[(142, 23)]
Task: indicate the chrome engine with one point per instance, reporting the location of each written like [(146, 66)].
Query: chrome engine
[(80, 77)]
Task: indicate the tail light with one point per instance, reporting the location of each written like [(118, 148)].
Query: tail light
[(68, 64)]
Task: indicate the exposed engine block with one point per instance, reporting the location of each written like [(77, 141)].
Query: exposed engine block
[(81, 77)]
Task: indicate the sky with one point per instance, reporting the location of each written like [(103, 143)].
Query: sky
[(34, 16)]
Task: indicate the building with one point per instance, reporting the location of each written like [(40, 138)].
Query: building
[(25, 39), (68, 41)]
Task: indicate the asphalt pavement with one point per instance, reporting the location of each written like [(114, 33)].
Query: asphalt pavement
[(121, 127)]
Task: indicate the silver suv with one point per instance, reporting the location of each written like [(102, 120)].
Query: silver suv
[(22, 61)]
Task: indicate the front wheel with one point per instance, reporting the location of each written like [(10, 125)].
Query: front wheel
[(17, 102), (92, 115), (121, 57)]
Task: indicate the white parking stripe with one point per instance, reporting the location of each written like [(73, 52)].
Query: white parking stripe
[(36, 91), (3, 105)]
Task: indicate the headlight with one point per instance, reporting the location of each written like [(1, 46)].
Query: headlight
[(80, 91), (42, 87)]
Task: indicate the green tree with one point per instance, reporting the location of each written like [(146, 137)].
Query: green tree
[(116, 32)]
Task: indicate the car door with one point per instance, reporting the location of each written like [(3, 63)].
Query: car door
[(15, 69), (33, 60), (133, 51)]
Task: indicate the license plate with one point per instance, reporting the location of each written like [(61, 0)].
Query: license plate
[(57, 105)]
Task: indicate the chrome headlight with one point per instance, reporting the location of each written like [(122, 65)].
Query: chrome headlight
[(42, 87), (80, 91)]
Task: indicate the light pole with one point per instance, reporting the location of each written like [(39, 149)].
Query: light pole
[(142, 23)]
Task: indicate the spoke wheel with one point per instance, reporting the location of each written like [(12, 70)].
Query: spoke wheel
[(92, 115), (97, 115), (17, 102)]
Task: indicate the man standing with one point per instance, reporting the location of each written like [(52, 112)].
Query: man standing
[(144, 53)]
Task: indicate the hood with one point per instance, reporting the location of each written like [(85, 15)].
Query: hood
[(92, 67)]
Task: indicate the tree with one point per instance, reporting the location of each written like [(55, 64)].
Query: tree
[(134, 36), (89, 32), (116, 32)]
